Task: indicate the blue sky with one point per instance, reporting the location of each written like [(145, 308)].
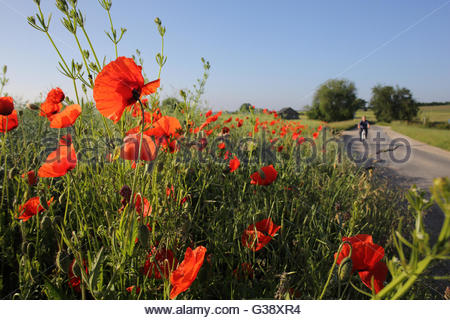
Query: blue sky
[(269, 53)]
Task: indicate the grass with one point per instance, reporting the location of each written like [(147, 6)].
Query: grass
[(436, 137)]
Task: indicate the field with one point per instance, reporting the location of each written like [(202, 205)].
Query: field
[(432, 132), (108, 194), (435, 113), (436, 137)]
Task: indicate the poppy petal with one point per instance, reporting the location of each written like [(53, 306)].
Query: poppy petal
[(150, 88), (59, 162), (66, 118), (9, 122), (182, 278)]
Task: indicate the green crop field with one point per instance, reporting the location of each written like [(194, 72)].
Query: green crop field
[(435, 113)]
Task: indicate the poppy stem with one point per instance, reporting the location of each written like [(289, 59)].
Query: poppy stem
[(5, 136), (358, 289), (76, 91), (132, 202), (92, 47), (332, 268), (113, 32)]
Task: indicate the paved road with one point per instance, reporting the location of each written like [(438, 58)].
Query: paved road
[(405, 162)]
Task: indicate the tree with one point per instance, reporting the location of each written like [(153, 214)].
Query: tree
[(170, 104), (245, 107), (335, 100), (389, 103)]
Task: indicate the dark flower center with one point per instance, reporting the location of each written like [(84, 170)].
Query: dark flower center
[(136, 94)]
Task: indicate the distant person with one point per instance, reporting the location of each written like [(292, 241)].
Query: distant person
[(363, 125)]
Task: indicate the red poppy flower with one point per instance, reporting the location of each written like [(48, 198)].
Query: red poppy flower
[(159, 259), (366, 260), (228, 120), (280, 148), (6, 106), (52, 103), (142, 205), (130, 148), (55, 96), (182, 278), (208, 113), (118, 85), (221, 145), (166, 130), (225, 130), (319, 128), (74, 281), (10, 122), (31, 208), (170, 192), (301, 140), (60, 161), (264, 176), (234, 164), (65, 118), (134, 288), (214, 117), (31, 177), (258, 235), (240, 123), (315, 135)]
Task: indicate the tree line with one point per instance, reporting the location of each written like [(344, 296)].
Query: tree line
[(337, 100)]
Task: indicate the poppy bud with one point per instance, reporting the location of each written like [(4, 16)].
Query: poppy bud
[(157, 21), (31, 177), (31, 20), (143, 235), (345, 269), (125, 192), (5, 68)]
